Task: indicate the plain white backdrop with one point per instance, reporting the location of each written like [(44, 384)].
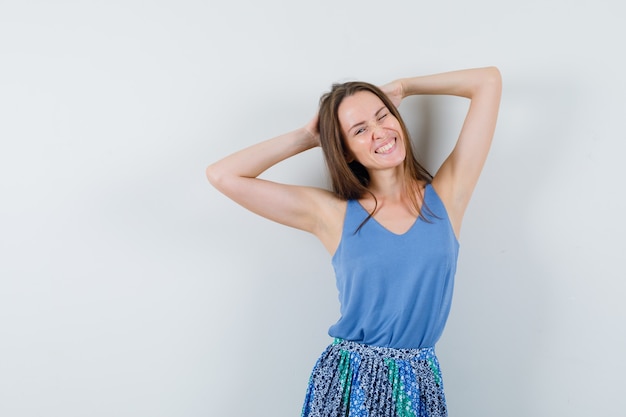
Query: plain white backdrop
[(130, 287)]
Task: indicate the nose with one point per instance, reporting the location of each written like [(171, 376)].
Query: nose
[(377, 131)]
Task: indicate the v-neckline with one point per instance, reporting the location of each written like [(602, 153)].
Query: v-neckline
[(382, 226)]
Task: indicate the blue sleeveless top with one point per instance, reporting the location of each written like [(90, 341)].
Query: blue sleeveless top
[(395, 290)]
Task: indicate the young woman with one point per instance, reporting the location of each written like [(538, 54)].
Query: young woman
[(390, 227)]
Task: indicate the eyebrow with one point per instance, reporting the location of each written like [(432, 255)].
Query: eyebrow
[(363, 122)]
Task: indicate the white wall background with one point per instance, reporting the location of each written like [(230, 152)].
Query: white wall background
[(129, 287)]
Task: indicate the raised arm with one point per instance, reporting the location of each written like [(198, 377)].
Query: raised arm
[(291, 205), (456, 179)]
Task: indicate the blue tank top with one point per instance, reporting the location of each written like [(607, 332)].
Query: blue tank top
[(395, 290)]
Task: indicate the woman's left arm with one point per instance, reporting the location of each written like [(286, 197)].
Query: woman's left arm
[(456, 179)]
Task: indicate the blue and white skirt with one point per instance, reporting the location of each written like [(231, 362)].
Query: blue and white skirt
[(355, 380)]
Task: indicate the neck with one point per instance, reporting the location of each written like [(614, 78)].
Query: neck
[(388, 185)]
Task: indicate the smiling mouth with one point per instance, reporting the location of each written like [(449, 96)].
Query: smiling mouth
[(386, 148)]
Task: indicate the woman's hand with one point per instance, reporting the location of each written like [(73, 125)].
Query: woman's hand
[(312, 128), (395, 91)]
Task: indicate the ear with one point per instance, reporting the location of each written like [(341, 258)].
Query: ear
[(349, 157)]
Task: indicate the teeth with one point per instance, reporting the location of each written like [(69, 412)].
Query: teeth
[(385, 148)]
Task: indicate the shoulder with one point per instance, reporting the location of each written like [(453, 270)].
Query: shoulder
[(331, 212), (453, 205)]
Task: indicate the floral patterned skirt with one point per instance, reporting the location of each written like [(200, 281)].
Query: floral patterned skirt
[(355, 380)]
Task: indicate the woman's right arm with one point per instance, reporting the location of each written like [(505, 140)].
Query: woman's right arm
[(296, 206)]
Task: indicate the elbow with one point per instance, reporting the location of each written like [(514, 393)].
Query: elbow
[(214, 175), (488, 82), (493, 76), (220, 177), (224, 181)]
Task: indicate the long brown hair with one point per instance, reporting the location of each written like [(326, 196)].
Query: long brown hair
[(350, 180)]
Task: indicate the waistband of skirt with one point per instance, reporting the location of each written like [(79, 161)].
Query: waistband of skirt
[(383, 351)]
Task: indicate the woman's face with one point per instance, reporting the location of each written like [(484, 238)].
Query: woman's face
[(373, 135)]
